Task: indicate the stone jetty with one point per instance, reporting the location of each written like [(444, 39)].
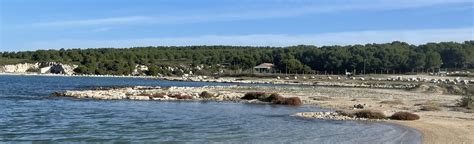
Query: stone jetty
[(150, 93)]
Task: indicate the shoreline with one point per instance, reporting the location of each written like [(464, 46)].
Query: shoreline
[(445, 126), (440, 131)]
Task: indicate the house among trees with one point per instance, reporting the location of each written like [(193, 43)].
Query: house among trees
[(264, 68)]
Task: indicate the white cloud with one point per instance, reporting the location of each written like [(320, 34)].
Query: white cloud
[(104, 21), (340, 38), (281, 9)]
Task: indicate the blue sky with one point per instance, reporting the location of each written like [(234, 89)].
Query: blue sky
[(53, 24)]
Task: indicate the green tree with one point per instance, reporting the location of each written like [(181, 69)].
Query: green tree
[(433, 60), (153, 70), (418, 61)]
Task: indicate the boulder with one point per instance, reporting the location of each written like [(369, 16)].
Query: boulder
[(359, 106), (139, 97)]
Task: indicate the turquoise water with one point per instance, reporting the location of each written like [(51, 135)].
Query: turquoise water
[(29, 114)]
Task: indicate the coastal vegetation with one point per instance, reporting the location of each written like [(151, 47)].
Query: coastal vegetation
[(404, 116), (370, 114), (395, 57), (262, 96), (467, 100), (6, 61), (205, 95), (273, 98)]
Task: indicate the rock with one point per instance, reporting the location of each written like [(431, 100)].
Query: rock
[(45, 67), (19, 68), (58, 94), (139, 97), (326, 116), (62, 69), (359, 106)]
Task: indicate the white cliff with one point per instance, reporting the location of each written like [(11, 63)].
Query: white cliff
[(19, 68), (44, 68)]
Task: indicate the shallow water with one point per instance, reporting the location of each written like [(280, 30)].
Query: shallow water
[(28, 113)]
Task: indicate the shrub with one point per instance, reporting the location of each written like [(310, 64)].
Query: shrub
[(179, 96), (274, 97), (466, 100), (295, 101), (404, 116), (205, 94), (370, 114), (144, 94), (184, 97), (158, 95), (345, 113), (255, 95)]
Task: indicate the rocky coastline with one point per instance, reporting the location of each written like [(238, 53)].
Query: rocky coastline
[(149, 93), (327, 116), (243, 94), (144, 93)]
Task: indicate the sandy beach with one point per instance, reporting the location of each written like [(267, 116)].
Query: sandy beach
[(442, 126)]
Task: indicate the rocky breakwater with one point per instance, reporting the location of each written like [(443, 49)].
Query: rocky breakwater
[(327, 116), (214, 93), (150, 93), (372, 115)]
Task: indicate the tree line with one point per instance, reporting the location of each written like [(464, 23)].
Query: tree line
[(398, 57)]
